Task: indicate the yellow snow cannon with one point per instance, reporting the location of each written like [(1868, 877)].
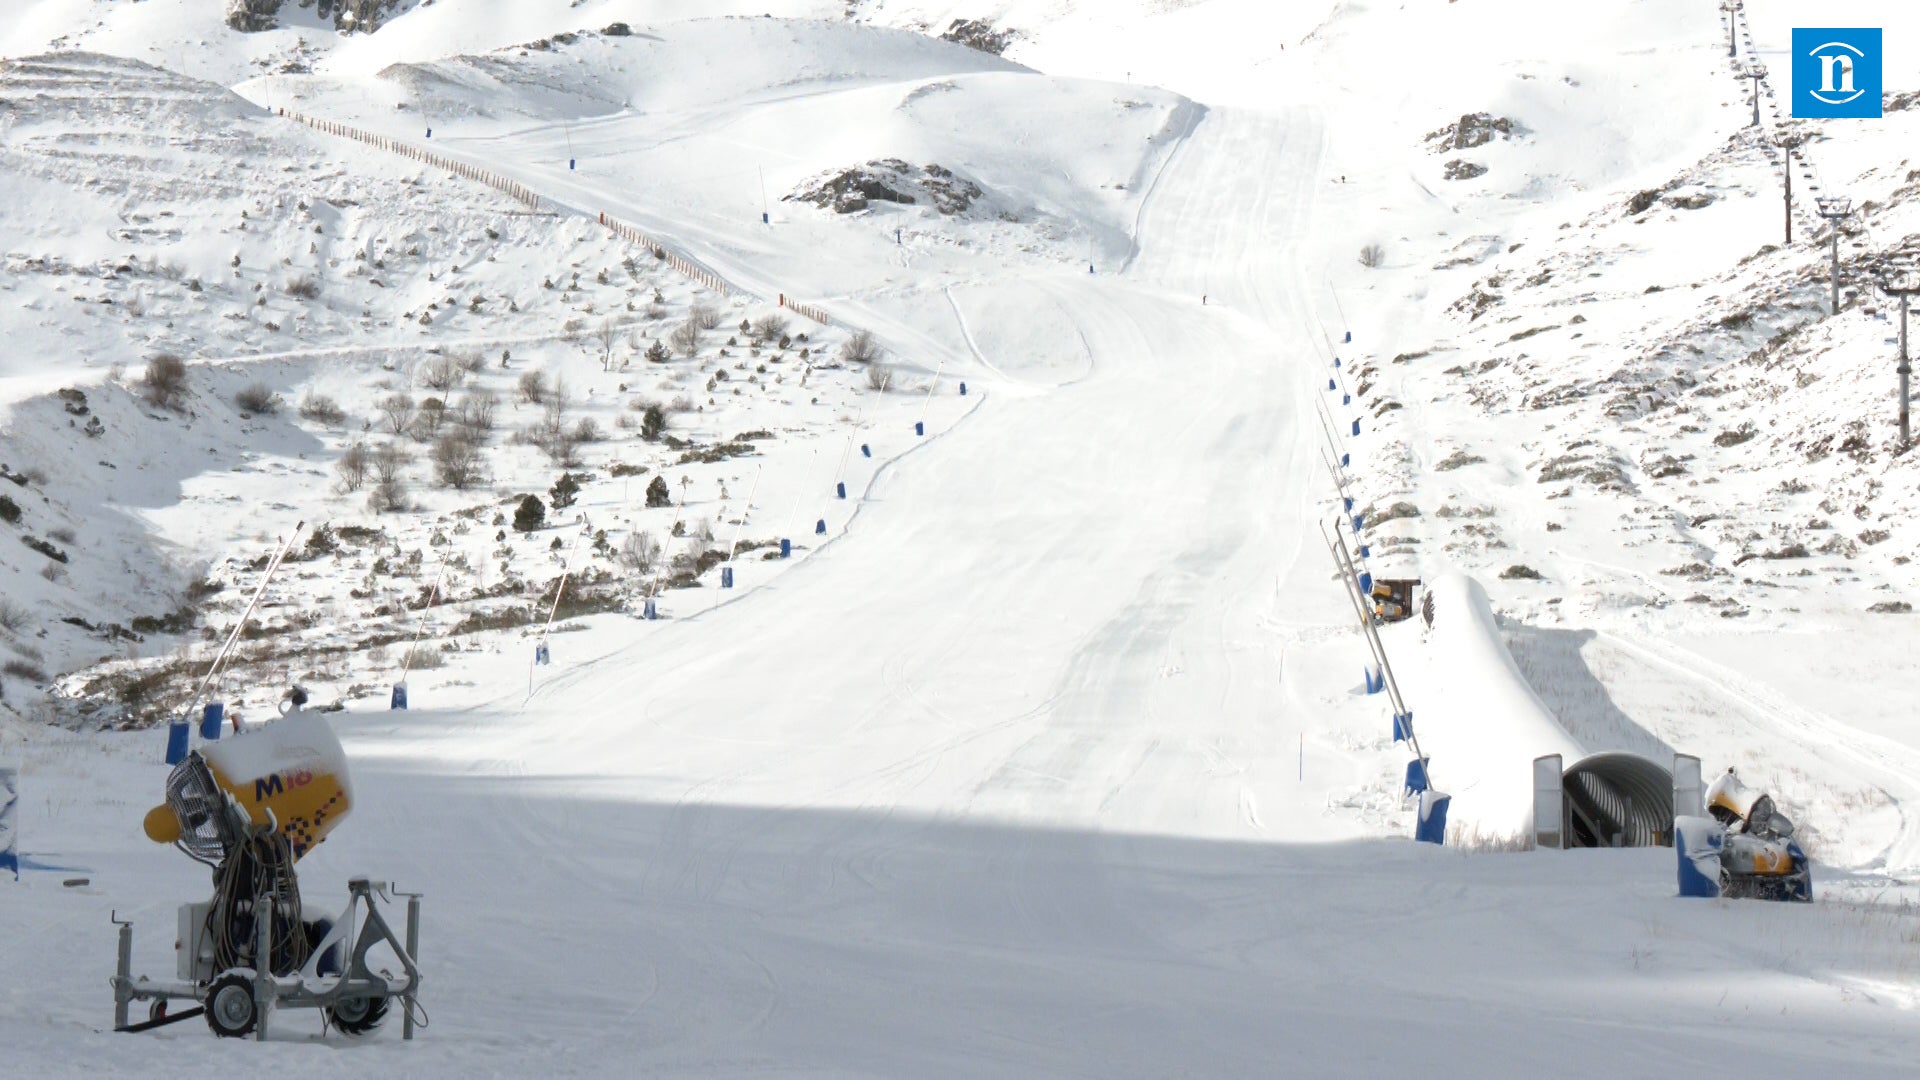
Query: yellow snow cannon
[(1745, 849), (289, 775)]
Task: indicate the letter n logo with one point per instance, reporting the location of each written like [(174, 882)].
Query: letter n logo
[(1836, 73)]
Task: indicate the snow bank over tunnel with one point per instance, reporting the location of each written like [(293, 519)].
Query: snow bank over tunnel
[(1478, 720)]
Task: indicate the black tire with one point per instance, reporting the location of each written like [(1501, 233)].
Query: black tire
[(230, 1009), (157, 1011), (317, 930), (357, 1016)]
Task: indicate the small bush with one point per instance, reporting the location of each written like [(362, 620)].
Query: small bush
[(54, 572), (769, 328), (686, 338), (706, 318), (21, 669), (861, 348), (399, 411), (322, 409), (388, 461), (14, 616), (424, 658), (1372, 255), (639, 552), (477, 411), (879, 377), (457, 461), (388, 497), (9, 510), (62, 534), (257, 399), (653, 423), (533, 387), (587, 431), (657, 353), (565, 491), (165, 381), (443, 373), (531, 514), (658, 494), (306, 287), (353, 465)]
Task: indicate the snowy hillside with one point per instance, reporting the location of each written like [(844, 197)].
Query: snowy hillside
[(928, 408)]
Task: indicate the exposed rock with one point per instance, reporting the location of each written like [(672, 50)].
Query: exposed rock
[(1462, 169), (1473, 129), (889, 180), (979, 34)]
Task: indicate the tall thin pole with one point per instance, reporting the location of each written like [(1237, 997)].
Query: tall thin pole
[(1905, 369), (1788, 147)]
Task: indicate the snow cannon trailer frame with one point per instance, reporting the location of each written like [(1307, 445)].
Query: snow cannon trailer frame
[(238, 1002)]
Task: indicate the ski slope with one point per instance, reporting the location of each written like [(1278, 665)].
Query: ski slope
[(1053, 763), (1003, 781)]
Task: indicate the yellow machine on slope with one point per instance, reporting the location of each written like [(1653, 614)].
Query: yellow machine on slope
[(250, 807)]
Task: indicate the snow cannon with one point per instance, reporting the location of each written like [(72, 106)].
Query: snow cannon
[(250, 807), (1745, 850), (290, 775)]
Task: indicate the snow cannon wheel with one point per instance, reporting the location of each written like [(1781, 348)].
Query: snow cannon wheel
[(358, 1016), (230, 1009)]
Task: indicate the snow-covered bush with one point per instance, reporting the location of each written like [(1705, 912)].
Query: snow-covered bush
[(165, 381)]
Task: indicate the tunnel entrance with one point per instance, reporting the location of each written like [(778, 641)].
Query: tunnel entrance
[(1611, 800)]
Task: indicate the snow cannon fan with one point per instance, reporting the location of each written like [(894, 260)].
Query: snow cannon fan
[(251, 807)]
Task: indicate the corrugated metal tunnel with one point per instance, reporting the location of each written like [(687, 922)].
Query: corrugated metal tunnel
[(1617, 800)]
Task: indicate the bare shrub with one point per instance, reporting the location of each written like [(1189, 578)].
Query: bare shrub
[(388, 497), (861, 348), (533, 387), (305, 287), (685, 338), (355, 461), (322, 409), (639, 552), (53, 571), (472, 361), (62, 534), (608, 335), (457, 461), (399, 411), (586, 431), (477, 411), (21, 669), (682, 403), (443, 373), (1372, 255), (432, 419), (14, 616), (705, 316), (165, 381), (257, 399), (424, 658), (879, 377), (769, 328), (389, 461)]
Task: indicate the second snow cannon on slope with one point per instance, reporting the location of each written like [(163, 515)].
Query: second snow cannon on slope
[(1744, 850), (251, 807)]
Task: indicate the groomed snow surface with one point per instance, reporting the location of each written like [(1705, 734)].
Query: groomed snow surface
[(1051, 757)]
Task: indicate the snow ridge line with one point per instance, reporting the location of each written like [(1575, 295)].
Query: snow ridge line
[(530, 198)]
